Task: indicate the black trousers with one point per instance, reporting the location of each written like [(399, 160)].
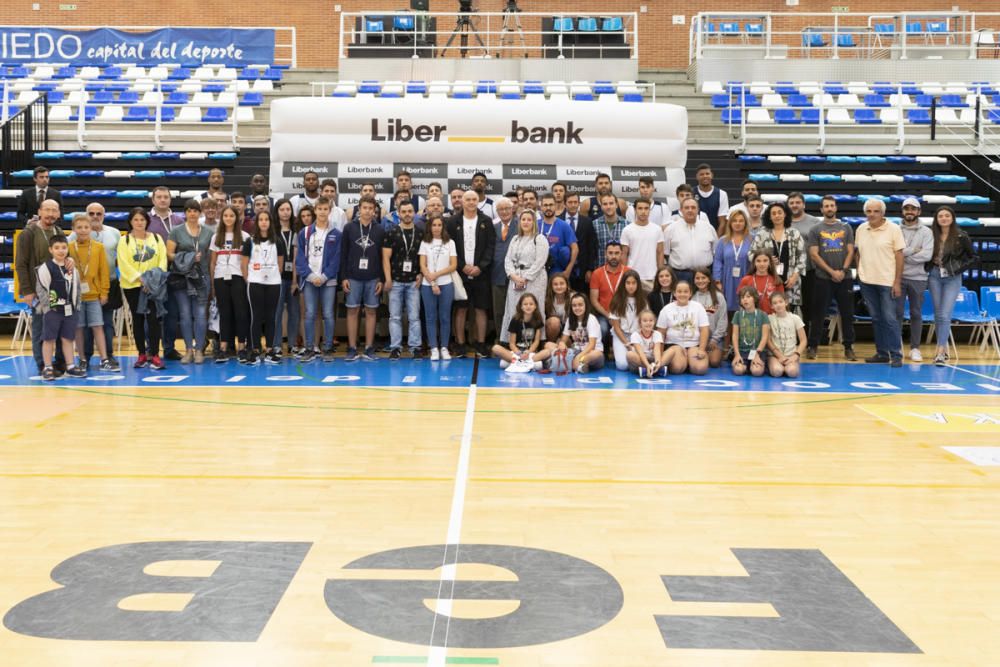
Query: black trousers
[(263, 309), (234, 311), (143, 324), (824, 291)]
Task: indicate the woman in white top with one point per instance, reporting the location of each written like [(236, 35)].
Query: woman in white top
[(438, 260), (580, 347), (525, 265), (261, 264), (228, 286), (683, 323), (709, 295), (623, 315), (556, 306)]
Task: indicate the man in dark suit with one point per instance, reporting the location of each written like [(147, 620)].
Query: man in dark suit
[(28, 202), (506, 229), (586, 239), (475, 240)]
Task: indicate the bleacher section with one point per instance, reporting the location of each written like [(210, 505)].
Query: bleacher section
[(121, 181)]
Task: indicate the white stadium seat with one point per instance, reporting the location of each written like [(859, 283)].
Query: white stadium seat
[(203, 73), (849, 101), (759, 117), (887, 178), (712, 88), (244, 114), (158, 73), (771, 100), (226, 74), (793, 178), (59, 112), (932, 159), (939, 199), (889, 115), (133, 73), (775, 198), (838, 117), (262, 86), (189, 115), (856, 178), (781, 158), (204, 99), (111, 113)]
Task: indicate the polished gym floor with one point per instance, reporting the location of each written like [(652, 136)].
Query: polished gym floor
[(298, 515)]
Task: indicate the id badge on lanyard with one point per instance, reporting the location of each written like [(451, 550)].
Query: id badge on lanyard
[(363, 264), (407, 266)]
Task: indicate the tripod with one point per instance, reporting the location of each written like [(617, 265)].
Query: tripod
[(511, 24), (464, 28)]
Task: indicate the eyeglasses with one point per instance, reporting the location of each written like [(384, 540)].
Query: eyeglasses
[(95, 213)]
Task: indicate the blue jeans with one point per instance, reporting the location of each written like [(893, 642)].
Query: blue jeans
[(169, 325), (192, 315), (944, 292), (315, 296), (438, 310), (885, 325), (914, 291), (408, 295), (290, 301)]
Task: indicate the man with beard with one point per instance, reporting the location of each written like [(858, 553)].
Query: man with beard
[(919, 250), (479, 185), (586, 239), (563, 247), (310, 186), (594, 206)]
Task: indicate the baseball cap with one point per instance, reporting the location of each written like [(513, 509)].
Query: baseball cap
[(911, 201)]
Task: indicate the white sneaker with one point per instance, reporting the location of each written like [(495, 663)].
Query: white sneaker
[(435, 355), (504, 363), (445, 354), (915, 354)]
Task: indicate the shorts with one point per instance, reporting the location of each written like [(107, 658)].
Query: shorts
[(57, 325), (760, 355), (90, 314), (479, 291), (362, 291)]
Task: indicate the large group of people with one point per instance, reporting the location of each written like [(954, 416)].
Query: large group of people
[(568, 282)]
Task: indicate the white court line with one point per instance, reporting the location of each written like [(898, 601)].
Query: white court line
[(966, 370), (8, 358), (437, 655)]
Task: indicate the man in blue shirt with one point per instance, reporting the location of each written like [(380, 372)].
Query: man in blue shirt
[(563, 249)]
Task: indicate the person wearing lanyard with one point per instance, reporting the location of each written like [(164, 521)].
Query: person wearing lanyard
[(162, 221), (788, 247), (730, 263), (689, 242), (563, 248), (261, 265), (603, 284), (191, 308), (401, 266), (288, 297), (108, 237), (362, 276), (317, 266), (95, 282)]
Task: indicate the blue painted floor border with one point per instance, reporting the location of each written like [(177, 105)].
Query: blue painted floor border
[(816, 377)]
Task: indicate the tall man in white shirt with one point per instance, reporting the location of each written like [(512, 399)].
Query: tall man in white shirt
[(689, 243), (642, 245)]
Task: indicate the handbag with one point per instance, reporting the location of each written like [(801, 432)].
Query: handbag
[(456, 280)]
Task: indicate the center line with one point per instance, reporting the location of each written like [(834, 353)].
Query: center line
[(437, 654)]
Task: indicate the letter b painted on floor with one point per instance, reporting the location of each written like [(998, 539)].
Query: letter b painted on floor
[(233, 604)]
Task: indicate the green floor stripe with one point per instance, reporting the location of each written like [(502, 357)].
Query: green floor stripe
[(422, 660)]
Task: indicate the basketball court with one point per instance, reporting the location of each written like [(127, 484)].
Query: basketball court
[(297, 515)]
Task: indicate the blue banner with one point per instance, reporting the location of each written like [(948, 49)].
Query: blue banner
[(107, 46)]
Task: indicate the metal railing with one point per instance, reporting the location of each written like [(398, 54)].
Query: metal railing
[(490, 34), (565, 88), (22, 133), (979, 133), (835, 35)]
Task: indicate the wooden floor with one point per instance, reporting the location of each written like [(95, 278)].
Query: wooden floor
[(641, 485)]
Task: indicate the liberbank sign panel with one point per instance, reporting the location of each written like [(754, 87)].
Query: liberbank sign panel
[(502, 138)]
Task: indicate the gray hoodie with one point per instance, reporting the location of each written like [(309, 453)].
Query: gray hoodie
[(919, 250)]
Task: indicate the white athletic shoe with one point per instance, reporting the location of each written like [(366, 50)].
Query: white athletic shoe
[(435, 354), (504, 363), (915, 354), (445, 354)]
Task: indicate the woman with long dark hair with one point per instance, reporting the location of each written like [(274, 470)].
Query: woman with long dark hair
[(953, 254)]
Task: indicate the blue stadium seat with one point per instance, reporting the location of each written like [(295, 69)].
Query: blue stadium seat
[(456, 96), (50, 155), (884, 88), (180, 173), (586, 24), (994, 116), (632, 97), (150, 173), (731, 116), (44, 87), (950, 178), (177, 97), (136, 155), (488, 86), (22, 173), (8, 216), (810, 159), (901, 197), (752, 158), (562, 24), (924, 101), (764, 177), (910, 88), (222, 155), (252, 99), (272, 73), (825, 178), (937, 27), (918, 178), (876, 101), (510, 96), (797, 100), (972, 199), (845, 199), (370, 87), (62, 173), (900, 158), (102, 97), (755, 30), (16, 72), (871, 159), (416, 87), (136, 114), (112, 72), (584, 97), (65, 72), (786, 117), (914, 28), (93, 86), (116, 216), (885, 29), (841, 159), (813, 40), (128, 97), (165, 155), (866, 117), (729, 28), (167, 114), (533, 87), (720, 101), (613, 24), (213, 88), (89, 113), (952, 101), (810, 116), (56, 97), (918, 116), (73, 194), (374, 25), (248, 74), (786, 88), (604, 88), (131, 194), (90, 173), (845, 41), (403, 22), (215, 115), (179, 74), (835, 87)]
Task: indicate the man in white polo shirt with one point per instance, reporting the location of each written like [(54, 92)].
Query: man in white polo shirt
[(689, 243), (879, 246)]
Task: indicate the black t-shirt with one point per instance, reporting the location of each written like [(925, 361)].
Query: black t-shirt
[(524, 333), (405, 244), (657, 300)]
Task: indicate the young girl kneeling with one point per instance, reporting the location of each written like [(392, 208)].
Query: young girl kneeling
[(646, 347), (750, 334), (787, 341)]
